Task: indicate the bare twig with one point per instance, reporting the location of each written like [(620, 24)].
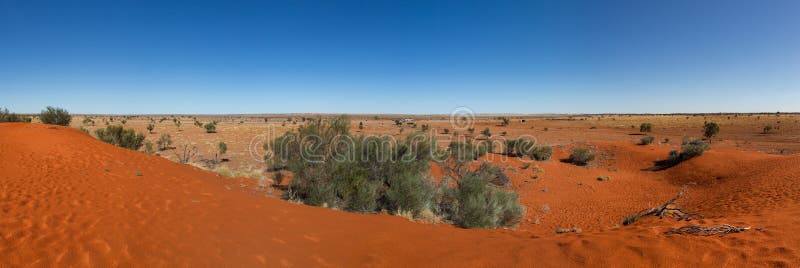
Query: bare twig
[(708, 231), (668, 209)]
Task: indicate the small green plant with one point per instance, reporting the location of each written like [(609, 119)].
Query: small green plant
[(505, 121), (210, 127), (646, 127), (581, 156), (120, 136), (150, 128), (486, 132), (425, 128), (55, 116), (710, 130), (471, 130), (360, 125), (148, 147), (646, 140), (541, 152), (164, 142), (222, 148), (767, 129)]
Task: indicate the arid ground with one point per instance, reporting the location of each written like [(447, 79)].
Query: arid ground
[(68, 199)]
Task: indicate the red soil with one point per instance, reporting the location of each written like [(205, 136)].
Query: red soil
[(67, 199)]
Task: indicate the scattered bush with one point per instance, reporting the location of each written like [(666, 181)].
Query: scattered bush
[(164, 142), (222, 148), (541, 152), (55, 116), (767, 129), (479, 205), (518, 147), (6, 116), (581, 156), (646, 140), (119, 136), (211, 127), (689, 150), (646, 127), (710, 130), (150, 128), (486, 132), (370, 174), (505, 121)]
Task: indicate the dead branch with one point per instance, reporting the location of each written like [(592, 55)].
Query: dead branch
[(708, 231), (668, 209)]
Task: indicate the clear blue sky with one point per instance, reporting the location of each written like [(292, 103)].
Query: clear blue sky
[(400, 57)]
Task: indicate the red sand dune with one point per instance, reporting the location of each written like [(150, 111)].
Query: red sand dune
[(67, 199)]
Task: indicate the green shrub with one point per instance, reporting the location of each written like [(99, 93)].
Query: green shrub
[(518, 147), (55, 116), (479, 205), (6, 116), (210, 127), (119, 136), (767, 129), (693, 149), (408, 192), (646, 127), (486, 132), (581, 156), (541, 152), (164, 142), (710, 130), (646, 140), (150, 128)]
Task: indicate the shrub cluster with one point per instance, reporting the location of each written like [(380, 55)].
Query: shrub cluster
[(6, 116), (646, 140), (55, 116), (211, 127), (370, 174), (581, 156), (646, 127), (541, 152), (119, 136)]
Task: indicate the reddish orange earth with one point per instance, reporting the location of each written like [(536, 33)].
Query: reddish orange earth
[(67, 199)]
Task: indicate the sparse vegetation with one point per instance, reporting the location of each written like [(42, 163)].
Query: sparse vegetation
[(710, 129), (150, 127), (581, 156), (541, 152), (486, 132), (120, 136), (164, 142), (6, 116), (55, 116), (646, 127), (211, 127), (646, 140), (767, 129)]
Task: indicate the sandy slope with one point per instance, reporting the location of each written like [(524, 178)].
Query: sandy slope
[(67, 199)]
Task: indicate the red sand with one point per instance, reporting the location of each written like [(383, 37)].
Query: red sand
[(67, 199)]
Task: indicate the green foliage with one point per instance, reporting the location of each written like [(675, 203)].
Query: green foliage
[(164, 142), (119, 136), (518, 147), (541, 152), (505, 121), (480, 205), (710, 129), (6, 116), (486, 132), (150, 127), (646, 127), (581, 156), (646, 140), (211, 127), (55, 116)]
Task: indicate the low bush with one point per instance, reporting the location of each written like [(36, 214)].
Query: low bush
[(691, 148), (541, 152), (55, 116), (646, 127), (646, 140), (210, 127), (119, 136), (581, 156), (6, 116), (518, 147), (164, 142), (480, 205)]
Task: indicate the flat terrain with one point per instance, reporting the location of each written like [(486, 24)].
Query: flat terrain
[(68, 199)]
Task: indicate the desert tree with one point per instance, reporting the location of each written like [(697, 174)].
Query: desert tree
[(646, 127), (55, 116), (222, 148), (710, 129), (164, 142)]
